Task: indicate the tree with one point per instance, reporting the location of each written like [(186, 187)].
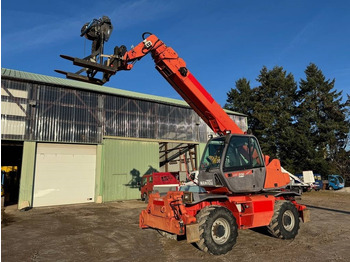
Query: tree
[(274, 112), (306, 128), (242, 99), (321, 117)]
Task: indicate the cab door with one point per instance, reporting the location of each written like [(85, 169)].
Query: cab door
[(243, 166)]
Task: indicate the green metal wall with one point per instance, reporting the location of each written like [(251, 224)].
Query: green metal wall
[(27, 175), (124, 162), (99, 167)]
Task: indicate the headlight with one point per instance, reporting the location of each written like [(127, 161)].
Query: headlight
[(188, 197)]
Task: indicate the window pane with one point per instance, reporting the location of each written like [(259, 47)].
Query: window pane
[(255, 153), (243, 153), (212, 154), (237, 156)]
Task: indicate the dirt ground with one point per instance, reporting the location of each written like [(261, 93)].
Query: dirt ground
[(110, 232)]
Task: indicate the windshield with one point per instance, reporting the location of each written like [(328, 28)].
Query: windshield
[(341, 180), (318, 177), (212, 154)]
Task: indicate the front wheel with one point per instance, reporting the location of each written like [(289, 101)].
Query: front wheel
[(217, 229), (285, 220)]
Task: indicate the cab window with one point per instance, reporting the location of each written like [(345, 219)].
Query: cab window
[(242, 153), (212, 155)]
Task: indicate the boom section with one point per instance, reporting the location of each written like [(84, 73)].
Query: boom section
[(174, 70)]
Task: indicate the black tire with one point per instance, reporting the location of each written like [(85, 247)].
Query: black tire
[(217, 229), (330, 188), (285, 220)]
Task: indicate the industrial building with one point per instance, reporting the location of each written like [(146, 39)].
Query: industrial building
[(66, 142)]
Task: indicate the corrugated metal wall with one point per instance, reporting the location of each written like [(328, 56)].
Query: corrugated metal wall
[(14, 109), (66, 115), (124, 163), (127, 117), (40, 112)]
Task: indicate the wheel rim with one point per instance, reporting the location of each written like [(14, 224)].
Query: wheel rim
[(220, 231), (288, 220)]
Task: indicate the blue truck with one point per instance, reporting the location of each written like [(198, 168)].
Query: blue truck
[(318, 182), (335, 182)]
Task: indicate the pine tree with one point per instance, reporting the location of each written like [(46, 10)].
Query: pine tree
[(321, 117), (241, 99), (274, 111), (307, 129)]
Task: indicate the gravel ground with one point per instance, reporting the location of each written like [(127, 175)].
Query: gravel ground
[(110, 232)]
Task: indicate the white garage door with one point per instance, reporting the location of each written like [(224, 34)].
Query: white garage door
[(64, 174)]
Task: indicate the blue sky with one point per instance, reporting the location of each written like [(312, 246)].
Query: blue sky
[(221, 41)]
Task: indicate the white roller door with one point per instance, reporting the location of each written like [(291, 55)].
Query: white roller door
[(64, 174)]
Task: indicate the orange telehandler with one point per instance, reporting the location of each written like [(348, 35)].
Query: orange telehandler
[(243, 188)]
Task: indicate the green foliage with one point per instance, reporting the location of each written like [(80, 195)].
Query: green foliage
[(321, 108), (305, 126), (274, 110)]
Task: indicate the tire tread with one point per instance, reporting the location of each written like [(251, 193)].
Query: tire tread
[(275, 228)]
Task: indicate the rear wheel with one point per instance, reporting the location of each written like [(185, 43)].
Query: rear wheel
[(217, 229), (285, 220)]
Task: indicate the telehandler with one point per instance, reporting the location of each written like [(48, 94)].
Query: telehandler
[(243, 188)]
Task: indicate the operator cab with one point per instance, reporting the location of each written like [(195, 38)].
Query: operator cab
[(233, 161)]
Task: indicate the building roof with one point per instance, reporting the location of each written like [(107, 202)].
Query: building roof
[(37, 78)]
